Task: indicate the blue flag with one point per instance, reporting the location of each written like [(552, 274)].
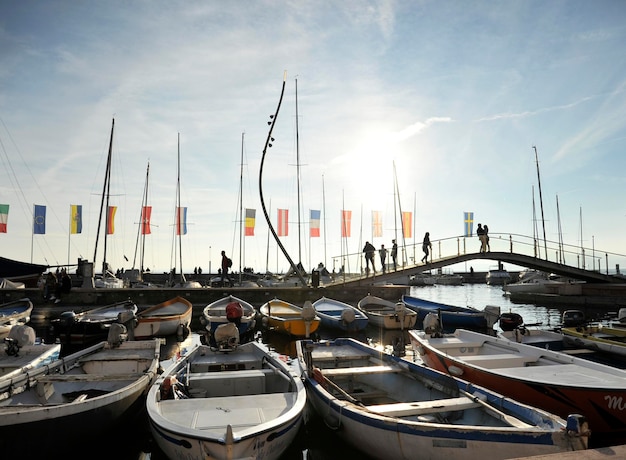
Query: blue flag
[(39, 220), (469, 223)]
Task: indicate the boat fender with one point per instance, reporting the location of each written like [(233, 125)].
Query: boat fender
[(308, 312), (456, 371), (347, 316)]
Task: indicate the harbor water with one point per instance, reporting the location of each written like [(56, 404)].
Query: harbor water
[(132, 439)]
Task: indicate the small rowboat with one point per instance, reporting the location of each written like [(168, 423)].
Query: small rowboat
[(12, 313), (388, 407), (214, 315), (386, 314), (287, 318), (164, 319), (340, 315)]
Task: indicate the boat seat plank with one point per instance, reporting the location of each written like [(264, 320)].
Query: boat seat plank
[(499, 360), (346, 371), (238, 411), (405, 409), (219, 375), (87, 377), (452, 342)]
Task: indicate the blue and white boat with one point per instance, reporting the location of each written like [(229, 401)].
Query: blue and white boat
[(454, 317), (214, 314), (388, 407), (336, 314)]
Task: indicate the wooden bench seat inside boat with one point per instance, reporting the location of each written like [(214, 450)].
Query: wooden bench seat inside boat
[(453, 342), (405, 409), (233, 383), (87, 377), (348, 371), (501, 360), (216, 413)]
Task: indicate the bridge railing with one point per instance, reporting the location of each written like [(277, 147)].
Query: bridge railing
[(409, 255)]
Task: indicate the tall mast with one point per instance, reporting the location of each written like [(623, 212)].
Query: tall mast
[(324, 208), (142, 223), (241, 211), (178, 217), (298, 177), (105, 200), (543, 221)]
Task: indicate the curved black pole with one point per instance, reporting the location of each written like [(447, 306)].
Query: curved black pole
[(267, 217)]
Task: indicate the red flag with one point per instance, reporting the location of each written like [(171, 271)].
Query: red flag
[(283, 222), (377, 224), (111, 220), (346, 220), (407, 224), (146, 212)]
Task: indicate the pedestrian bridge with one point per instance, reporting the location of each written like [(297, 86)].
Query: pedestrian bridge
[(585, 264)]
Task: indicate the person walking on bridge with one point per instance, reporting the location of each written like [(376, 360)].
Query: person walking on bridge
[(426, 245)]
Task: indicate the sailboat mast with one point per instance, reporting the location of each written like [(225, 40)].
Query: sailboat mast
[(141, 235), (324, 208), (178, 217), (105, 199), (543, 221), (298, 177), (241, 211)]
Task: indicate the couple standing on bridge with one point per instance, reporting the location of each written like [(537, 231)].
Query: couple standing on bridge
[(483, 235)]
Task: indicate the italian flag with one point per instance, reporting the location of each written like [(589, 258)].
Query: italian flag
[(4, 217)]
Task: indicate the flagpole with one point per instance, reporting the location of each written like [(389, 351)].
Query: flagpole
[(69, 233), (32, 235), (324, 208)]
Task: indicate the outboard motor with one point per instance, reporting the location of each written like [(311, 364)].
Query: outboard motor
[(226, 337), (308, 315), (117, 334), (578, 427), (67, 318), (432, 325), (400, 311), (347, 316), (621, 315), (19, 335), (492, 314)]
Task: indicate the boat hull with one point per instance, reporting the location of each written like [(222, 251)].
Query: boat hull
[(561, 390), (164, 319), (387, 315), (101, 386), (332, 315), (600, 338), (286, 318), (401, 437), (12, 313), (214, 315), (244, 403)]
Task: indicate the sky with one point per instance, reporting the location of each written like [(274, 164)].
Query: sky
[(436, 108)]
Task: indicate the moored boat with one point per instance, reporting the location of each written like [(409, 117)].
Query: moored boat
[(287, 318), (388, 407), (91, 326), (77, 399), (22, 351), (339, 315), (234, 402), (12, 313), (452, 316), (215, 314), (171, 317), (597, 337), (554, 381), (386, 314)]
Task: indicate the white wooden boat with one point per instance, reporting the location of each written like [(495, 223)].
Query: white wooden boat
[(597, 337), (172, 317), (91, 326), (14, 312), (22, 351), (49, 410), (214, 315), (290, 319), (553, 381), (386, 314), (336, 314), (389, 407), (239, 402)]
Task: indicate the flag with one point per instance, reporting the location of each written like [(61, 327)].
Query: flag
[(283, 222), (314, 223), (39, 221), (377, 224), (111, 220), (469, 223), (250, 218), (146, 214), (346, 220), (181, 220), (407, 224), (4, 217), (76, 218)]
